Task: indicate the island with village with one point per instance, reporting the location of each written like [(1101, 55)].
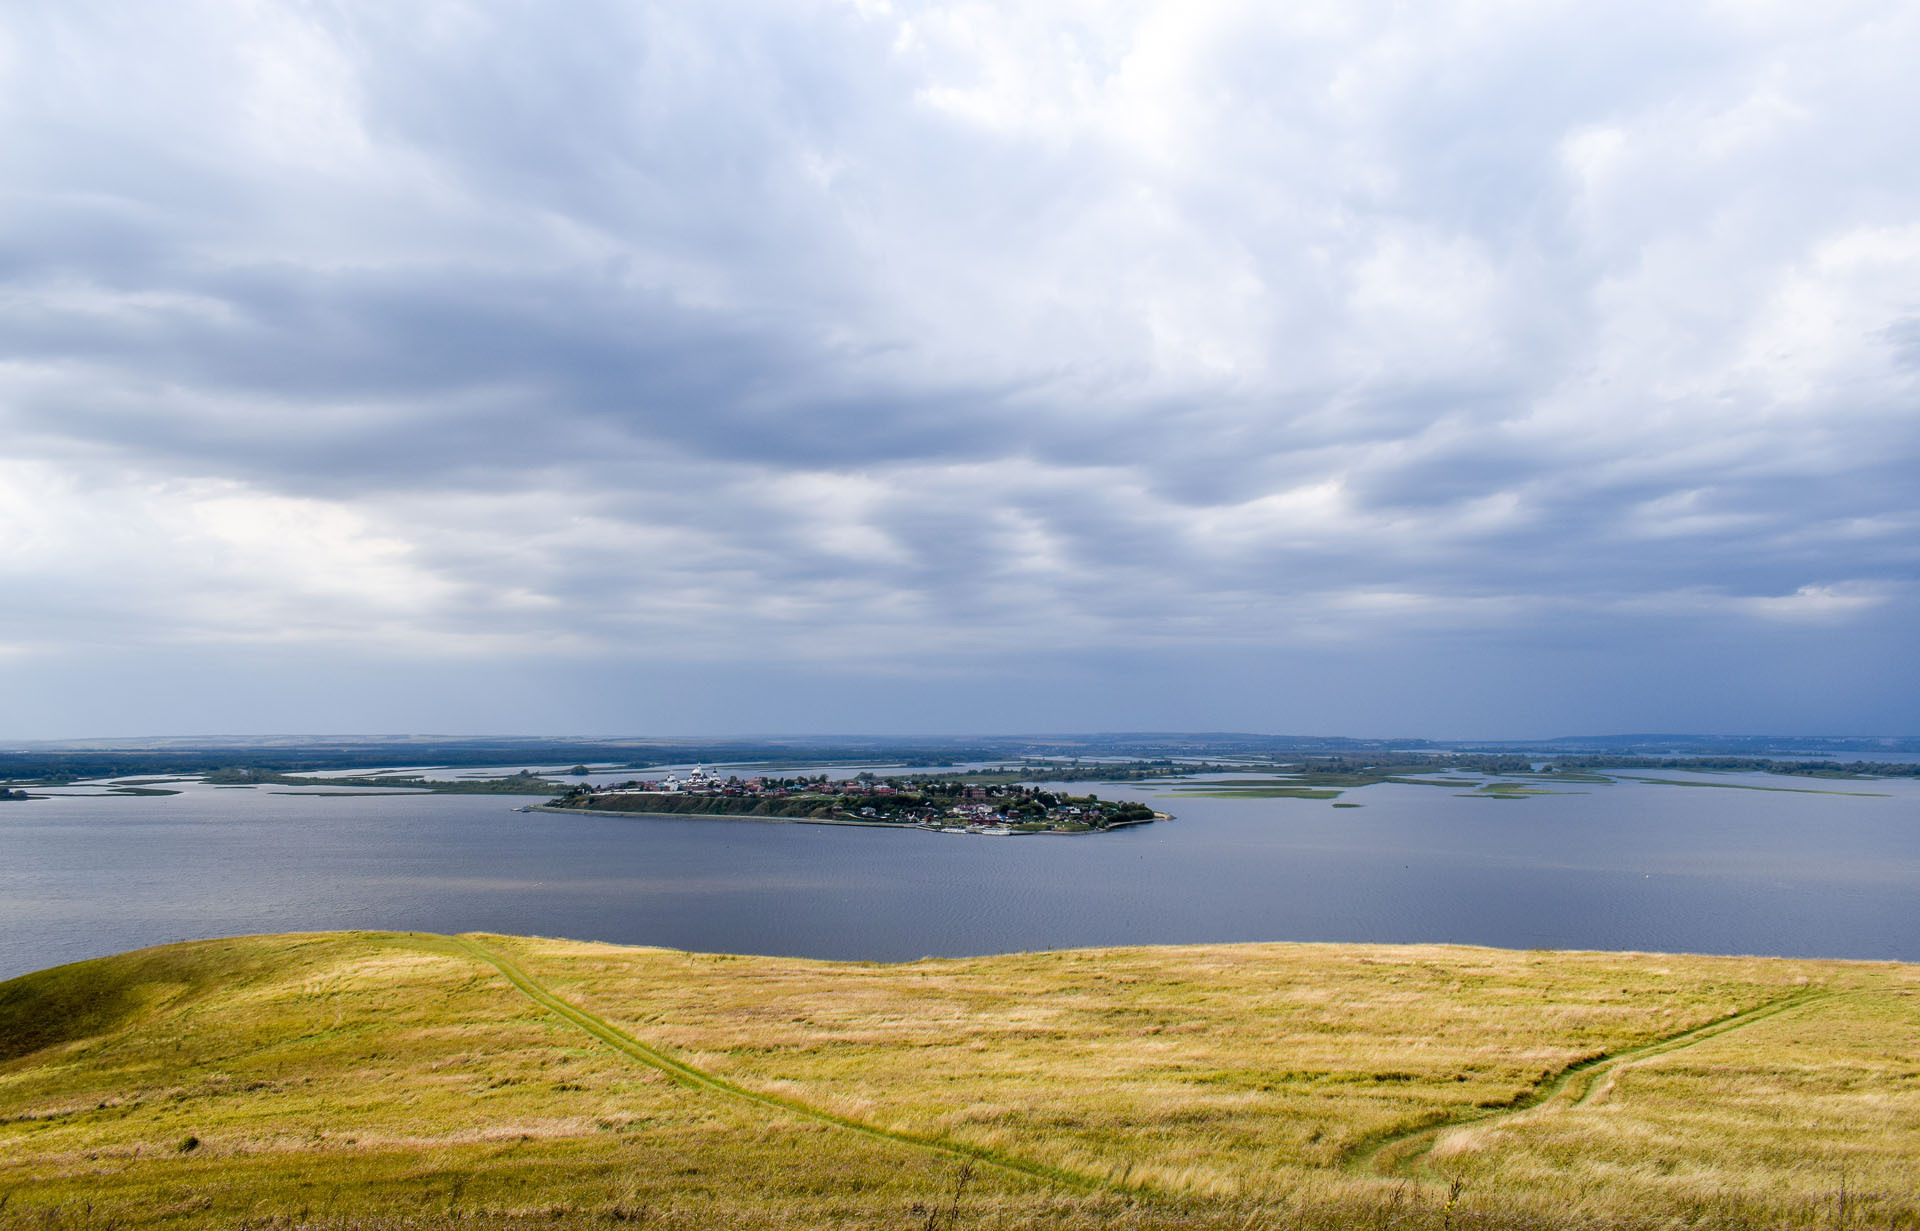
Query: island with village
[(950, 806)]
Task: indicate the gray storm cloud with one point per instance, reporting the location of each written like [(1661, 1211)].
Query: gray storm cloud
[(959, 342)]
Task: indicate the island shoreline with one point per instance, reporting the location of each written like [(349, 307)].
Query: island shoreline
[(822, 820)]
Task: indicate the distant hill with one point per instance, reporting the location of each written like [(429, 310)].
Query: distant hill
[(67, 760)]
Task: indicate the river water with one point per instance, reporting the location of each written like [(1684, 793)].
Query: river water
[(1627, 865)]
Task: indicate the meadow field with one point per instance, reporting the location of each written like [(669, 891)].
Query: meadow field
[(404, 1079)]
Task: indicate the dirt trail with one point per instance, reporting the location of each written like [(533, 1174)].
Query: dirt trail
[(1404, 1153), (699, 1079)]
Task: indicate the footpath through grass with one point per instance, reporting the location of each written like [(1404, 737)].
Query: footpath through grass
[(698, 1079), (1405, 1151), (390, 1080)]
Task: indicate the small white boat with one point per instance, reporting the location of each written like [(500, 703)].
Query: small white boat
[(995, 831)]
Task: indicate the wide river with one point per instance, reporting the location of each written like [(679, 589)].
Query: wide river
[(1628, 865)]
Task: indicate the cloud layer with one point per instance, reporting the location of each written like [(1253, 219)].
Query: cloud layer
[(961, 344)]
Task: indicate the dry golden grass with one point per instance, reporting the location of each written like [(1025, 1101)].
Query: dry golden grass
[(1212, 1068), (369, 1076), (1818, 1105), (382, 1080)]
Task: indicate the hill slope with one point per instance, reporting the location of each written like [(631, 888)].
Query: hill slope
[(402, 1079)]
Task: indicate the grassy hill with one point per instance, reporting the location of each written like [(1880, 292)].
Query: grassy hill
[(401, 1080)]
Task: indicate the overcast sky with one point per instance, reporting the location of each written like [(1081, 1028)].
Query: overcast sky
[(1468, 369)]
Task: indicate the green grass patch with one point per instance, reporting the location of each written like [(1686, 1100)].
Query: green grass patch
[(1516, 790), (1748, 786)]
